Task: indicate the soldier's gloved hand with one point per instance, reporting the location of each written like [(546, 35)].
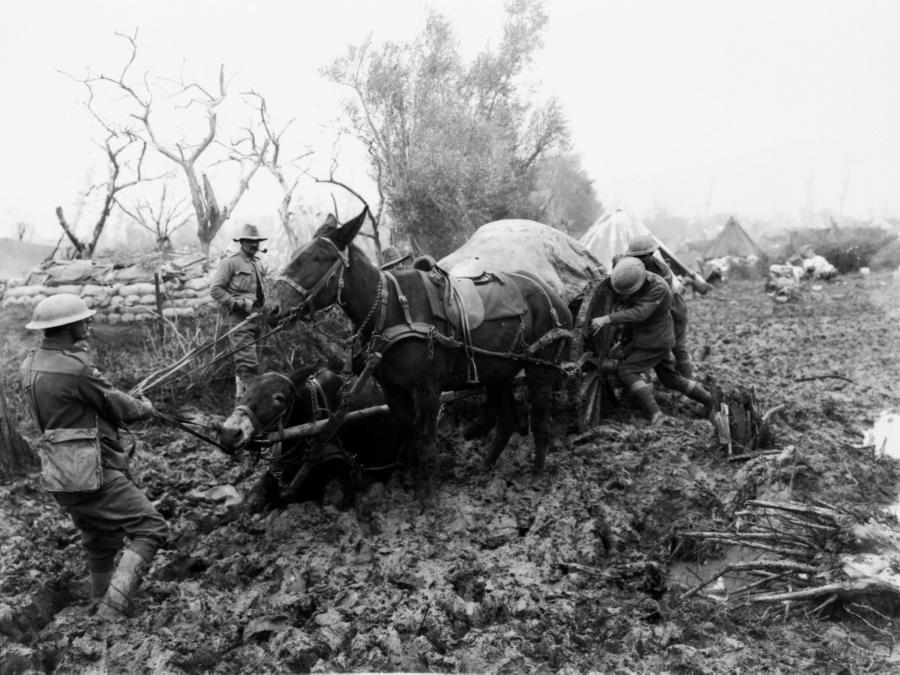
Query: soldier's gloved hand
[(599, 323)]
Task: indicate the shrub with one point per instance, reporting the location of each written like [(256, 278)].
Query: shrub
[(847, 249)]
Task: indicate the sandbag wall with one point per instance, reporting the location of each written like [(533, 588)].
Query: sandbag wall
[(124, 295)]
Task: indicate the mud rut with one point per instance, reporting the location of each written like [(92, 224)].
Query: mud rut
[(504, 572)]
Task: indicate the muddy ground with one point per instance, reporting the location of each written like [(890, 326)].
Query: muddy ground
[(503, 572)]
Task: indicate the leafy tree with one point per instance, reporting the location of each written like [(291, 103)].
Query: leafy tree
[(451, 145), (564, 194)]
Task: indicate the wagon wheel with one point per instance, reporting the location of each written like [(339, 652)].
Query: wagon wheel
[(596, 385)]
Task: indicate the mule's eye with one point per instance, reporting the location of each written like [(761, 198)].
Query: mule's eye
[(278, 399)]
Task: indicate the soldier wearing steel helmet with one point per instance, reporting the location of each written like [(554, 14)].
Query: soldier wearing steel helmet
[(237, 287), (644, 248), (649, 335), (78, 409)]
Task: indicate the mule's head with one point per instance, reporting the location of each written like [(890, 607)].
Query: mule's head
[(267, 398), (311, 279)]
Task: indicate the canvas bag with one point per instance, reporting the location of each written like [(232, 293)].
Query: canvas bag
[(70, 460)]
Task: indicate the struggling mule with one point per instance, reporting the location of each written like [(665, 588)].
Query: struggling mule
[(304, 467), (424, 353)]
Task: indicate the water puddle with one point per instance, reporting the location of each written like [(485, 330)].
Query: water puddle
[(884, 435), (690, 574)]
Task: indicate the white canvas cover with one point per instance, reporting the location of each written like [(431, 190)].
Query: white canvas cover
[(528, 246), (610, 235)]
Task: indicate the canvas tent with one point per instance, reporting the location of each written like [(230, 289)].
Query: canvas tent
[(734, 242), (610, 235)]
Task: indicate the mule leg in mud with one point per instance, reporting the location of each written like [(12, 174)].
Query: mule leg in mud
[(502, 400), (416, 411), (540, 391)]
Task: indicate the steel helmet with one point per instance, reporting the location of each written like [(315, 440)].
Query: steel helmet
[(642, 245), (58, 310), (628, 276)]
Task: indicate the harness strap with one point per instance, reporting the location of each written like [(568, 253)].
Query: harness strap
[(401, 297)]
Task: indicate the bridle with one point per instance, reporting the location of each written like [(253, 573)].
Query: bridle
[(318, 403), (259, 428), (342, 263), (307, 295)]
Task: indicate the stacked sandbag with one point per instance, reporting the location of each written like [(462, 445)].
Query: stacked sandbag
[(123, 294)]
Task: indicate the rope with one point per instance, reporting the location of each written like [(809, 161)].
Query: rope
[(180, 423)]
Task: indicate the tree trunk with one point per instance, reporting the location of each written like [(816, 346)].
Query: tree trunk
[(16, 456)]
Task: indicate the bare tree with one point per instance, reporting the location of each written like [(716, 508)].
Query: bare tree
[(374, 215), (22, 228), (287, 172), (119, 165), (186, 154), (161, 220)]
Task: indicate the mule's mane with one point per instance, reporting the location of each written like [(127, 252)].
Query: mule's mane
[(301, 375)]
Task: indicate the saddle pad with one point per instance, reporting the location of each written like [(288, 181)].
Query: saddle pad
[(500, 299)]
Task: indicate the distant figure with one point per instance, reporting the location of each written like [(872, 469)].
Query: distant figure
[(649, 335), (391, 258), (83, 464), (237, 287)]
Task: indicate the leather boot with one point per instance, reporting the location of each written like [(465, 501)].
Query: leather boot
[(100, 584), (643, 394), (696, 392), (123, 585)]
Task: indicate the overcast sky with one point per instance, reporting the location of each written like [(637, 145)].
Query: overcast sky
[(761, 108)]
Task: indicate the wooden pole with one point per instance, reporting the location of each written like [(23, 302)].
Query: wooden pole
[(160, 324)]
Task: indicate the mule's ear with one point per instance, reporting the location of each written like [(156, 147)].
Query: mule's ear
[(350, 229), (330, 221)]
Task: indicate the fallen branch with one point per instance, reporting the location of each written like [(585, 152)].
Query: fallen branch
[(832, 376), (753, 455)]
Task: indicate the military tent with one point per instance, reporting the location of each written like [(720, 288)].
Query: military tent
[(610, 235), (733, 241)]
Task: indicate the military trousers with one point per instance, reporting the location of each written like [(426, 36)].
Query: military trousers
[(119, 509)]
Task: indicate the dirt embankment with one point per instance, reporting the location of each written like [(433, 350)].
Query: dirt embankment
[(502, 572)]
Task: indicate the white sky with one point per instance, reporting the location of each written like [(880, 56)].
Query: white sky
[(760, 108)]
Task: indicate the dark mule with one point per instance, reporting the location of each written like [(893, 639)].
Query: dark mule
[(417, 363), (304, 467)]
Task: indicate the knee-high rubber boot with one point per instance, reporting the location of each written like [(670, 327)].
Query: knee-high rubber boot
[(643, 394), (696, 392), (123, 585)]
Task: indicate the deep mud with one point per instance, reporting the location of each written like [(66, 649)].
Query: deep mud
[(502, 572)]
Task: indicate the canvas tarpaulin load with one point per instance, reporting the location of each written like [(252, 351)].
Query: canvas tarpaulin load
[(528, 246)]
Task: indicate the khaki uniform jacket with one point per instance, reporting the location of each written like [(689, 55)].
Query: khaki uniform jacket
[(70, 393), (679, 306), (237, 277), (648, 318)]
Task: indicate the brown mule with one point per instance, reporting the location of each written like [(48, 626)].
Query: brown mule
[(392, 316)]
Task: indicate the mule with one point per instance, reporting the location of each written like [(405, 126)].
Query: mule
[(304, 467), (393, 318)]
